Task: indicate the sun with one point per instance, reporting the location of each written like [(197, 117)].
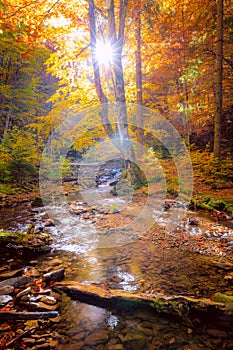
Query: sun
[(104, 53)]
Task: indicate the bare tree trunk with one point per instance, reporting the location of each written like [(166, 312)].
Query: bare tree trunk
[(218, 113), (140, 133)]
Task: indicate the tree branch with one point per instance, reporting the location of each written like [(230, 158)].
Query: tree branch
[(211, 52), (101, 12), (83, 49), (19, 9)]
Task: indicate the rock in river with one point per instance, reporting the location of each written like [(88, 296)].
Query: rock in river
[(6, 290), (4, 299)]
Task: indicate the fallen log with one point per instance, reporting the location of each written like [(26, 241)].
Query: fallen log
[(12, 315), (177, 305)]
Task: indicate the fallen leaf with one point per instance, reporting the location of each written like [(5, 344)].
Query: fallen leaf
[(31, 323), (172, 340)]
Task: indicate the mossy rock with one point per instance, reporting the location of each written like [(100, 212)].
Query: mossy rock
[(12, 237), (223, 298), (211, 203), (24, 241)]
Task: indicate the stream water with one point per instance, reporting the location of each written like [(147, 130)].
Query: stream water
[(139, 265)]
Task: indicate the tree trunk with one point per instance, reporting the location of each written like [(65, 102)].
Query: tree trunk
[(185, 101), (140, 133), (218, 113), (100, 93), (120, 138), (117, 43)]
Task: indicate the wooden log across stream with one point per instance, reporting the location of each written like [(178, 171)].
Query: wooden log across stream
[(177, 305)]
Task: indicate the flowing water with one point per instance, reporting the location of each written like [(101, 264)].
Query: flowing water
[(92, 254)]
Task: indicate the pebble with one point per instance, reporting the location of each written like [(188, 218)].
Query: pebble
[(33, 262), (42, 346), (56, 262), (116, 347), (19, 331), (43, 306), (53, 343), (28, 341), (49, 223), (6, 290), (4, 299), (193, 221), (5, 327), (48, 300), (43, 291), (23, 292)]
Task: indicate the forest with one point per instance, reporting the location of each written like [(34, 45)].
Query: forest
[(116, 174)]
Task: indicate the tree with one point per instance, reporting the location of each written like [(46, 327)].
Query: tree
[(24, 89), (116, 42), (140, 132), (120, 137), (218, 114)]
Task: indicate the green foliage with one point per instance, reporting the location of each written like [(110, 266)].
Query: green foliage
[(223, 298), (21, 170), (5, 174), (206, 165), (66, 168), (151, 164), (56, 169), (172, 187), (19, 157), (212, 202), (22, 89), (7, 189)]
